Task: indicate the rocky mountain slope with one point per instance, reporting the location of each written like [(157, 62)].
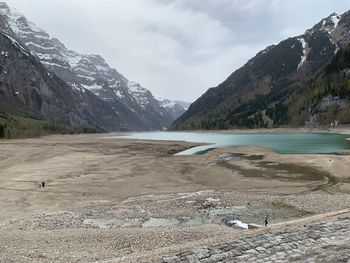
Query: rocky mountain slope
[(325, 98), (262, 93), (184, 104), (27, 89), (135, 107), (175, 108)]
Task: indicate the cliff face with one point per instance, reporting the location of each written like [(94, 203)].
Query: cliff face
[(135, 107), (28, 89), (261, 93)]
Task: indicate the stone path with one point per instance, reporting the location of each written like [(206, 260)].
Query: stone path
[(326, 241)]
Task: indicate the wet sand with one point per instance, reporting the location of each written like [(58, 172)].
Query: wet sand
[(111, 198)]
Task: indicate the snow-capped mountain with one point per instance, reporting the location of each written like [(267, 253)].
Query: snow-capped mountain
[(29, 91), (183, 104), (136, 106), (175, 108)]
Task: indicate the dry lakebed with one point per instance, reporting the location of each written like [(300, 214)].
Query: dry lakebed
[(113, 200)]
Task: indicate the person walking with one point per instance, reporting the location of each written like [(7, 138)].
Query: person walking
[(267, 219)]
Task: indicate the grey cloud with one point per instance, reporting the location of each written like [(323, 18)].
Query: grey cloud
[(175, 48)]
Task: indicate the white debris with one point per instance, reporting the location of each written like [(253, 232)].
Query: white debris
[(239, 224), (193, 194)]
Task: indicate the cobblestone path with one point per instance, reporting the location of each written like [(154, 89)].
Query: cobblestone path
[(326, 241)]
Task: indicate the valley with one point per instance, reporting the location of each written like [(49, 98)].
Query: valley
[(95, 167), (301, 81)]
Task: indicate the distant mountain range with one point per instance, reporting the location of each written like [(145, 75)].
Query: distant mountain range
[(45, 87), (40, 78), (304, 80), (175, 108)]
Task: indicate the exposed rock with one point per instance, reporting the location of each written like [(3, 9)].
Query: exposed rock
[(136, 107), (28, 89)]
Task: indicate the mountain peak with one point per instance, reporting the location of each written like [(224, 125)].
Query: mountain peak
[(18, 23), (327, 24), (135, 105), (334, 18), (3, 5)]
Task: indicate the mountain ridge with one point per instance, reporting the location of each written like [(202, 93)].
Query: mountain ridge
[(256, 95), (27, 89), (135, 106)]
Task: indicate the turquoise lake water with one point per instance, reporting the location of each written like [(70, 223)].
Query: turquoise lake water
[(281, 142)]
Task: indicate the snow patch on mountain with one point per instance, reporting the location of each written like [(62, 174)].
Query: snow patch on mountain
[(76, 87), (54, 64), (142, 95), (165, 103), (119, 94), (304, 56), (335, 19), (175, 108), (183, 104), (330, 23), (136, 88), (336, 47), (94, 87), (86, 77), (74, 59)]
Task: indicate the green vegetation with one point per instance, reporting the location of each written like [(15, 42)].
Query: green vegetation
[(262, 94), (12, 126), (243, 99), (333, 82)]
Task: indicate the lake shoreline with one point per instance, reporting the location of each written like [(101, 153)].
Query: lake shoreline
[(339, 130), (121, 197)]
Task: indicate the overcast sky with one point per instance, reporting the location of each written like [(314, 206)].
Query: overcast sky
[(175, 48)]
